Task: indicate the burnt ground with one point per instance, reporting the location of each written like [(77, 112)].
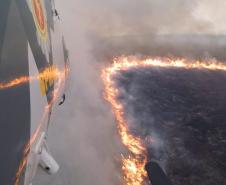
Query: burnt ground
[(181, 117)]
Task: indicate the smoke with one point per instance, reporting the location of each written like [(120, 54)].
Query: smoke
[(186, 28), (83, 137), (131, 17)]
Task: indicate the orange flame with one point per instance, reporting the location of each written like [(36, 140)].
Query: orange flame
[(133, 166)]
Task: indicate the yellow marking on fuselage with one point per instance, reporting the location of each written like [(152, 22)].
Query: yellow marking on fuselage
[(47, 78)]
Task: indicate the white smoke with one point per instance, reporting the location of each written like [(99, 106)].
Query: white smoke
[(83, 136)]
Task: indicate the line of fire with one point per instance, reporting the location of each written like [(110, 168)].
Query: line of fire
[(136, 166)]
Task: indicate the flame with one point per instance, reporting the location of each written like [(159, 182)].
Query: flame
[(133, 166), (50, 73)]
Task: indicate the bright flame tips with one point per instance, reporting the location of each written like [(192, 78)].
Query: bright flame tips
[(125, 63), (133, 166)]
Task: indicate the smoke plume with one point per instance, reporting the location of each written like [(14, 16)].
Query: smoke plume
[(83, 136)]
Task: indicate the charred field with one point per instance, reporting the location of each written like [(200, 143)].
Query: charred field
[(180, 116)]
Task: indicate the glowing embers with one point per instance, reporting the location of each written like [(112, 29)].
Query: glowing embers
[(133, 165)]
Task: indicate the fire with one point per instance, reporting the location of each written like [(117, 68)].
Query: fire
[(133, 165)]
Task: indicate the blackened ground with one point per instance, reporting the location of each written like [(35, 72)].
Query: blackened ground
[(181, 116)]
